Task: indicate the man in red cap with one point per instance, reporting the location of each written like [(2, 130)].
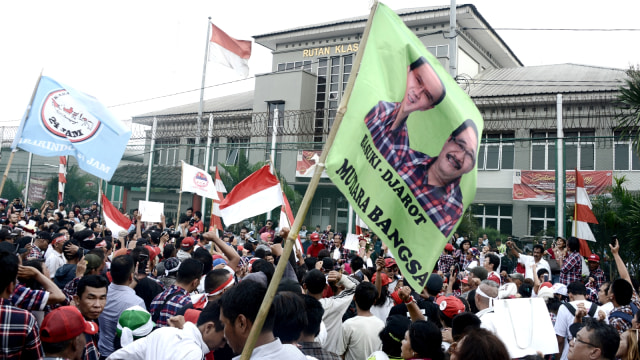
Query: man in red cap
[(596, 275), (446, 260), (315, 246), (63, 333), (186, 248), (392, 271)]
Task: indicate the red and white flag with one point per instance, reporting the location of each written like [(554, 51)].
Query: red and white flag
[(230, 52), (286, 218), (360, 225), (215, 221), (115, 220), (62, 177), (257, 194), (583, 216)]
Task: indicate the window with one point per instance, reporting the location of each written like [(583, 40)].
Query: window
[(166, 152), (625, 156), (272, 107), (541, 219), (321, 211), (235, 145), (196, 150), (579, 150), (543, 151), (333, 76), (496, 151), (298, 65), (494, 216)]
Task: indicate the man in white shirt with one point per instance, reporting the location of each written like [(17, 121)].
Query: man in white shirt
[(360, 334), (577, 297), (334, 307), (486, 294), (528, 261), (54, 258), (192, 342)]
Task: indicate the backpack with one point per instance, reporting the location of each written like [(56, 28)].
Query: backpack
[(624, 316), (575, 327)]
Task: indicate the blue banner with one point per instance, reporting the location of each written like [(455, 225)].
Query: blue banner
[(64, 121)]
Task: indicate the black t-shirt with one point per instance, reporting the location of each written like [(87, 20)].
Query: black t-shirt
[(147, 289)]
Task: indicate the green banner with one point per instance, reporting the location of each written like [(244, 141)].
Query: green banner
[(405, 152)]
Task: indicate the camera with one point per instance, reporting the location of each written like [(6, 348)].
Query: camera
[(192, 221)]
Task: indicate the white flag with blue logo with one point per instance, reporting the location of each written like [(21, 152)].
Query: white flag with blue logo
[(64, 121), (198, 181)]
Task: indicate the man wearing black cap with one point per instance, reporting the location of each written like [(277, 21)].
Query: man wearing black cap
[(94, 210)]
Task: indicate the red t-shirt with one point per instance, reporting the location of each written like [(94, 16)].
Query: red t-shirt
[(314, 249)]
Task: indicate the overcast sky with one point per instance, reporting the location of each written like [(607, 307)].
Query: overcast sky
[(131, 51)]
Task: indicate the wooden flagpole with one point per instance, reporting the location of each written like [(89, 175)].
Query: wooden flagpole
[(24, 118), (306, 201)]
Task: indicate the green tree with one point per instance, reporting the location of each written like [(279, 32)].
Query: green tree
[(618, 214), (12, 191), (629, 98), (77, 191)]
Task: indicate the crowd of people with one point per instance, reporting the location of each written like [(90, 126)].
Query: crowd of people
[(72, 289)]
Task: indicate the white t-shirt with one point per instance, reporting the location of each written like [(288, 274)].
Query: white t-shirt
[(528, 261), (564, 319), (360, 337)]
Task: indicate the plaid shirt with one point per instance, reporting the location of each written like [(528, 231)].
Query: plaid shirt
[(571, 268), (28, 299), (168, 303), (344, 256), (36, 253), (19, 333), (442, 204), (314, 349), (90, 351), (445, 262), (598, 277), (619, 323), (71, 289)]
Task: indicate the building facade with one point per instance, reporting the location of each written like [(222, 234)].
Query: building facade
[(311, 67)]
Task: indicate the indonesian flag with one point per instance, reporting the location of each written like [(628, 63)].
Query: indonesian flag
[(257, 194), (115, 220), (62, 177), (583, 216), (215, 221), (286, 218), (230, 52), (360, 225)]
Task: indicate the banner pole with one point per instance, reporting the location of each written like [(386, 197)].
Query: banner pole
[(26, 193), (153, 149), (180, 196), (306, 201), (19, 133), (201, 104)]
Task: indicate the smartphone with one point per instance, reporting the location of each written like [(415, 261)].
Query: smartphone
[(545, 277), (614, 238)]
